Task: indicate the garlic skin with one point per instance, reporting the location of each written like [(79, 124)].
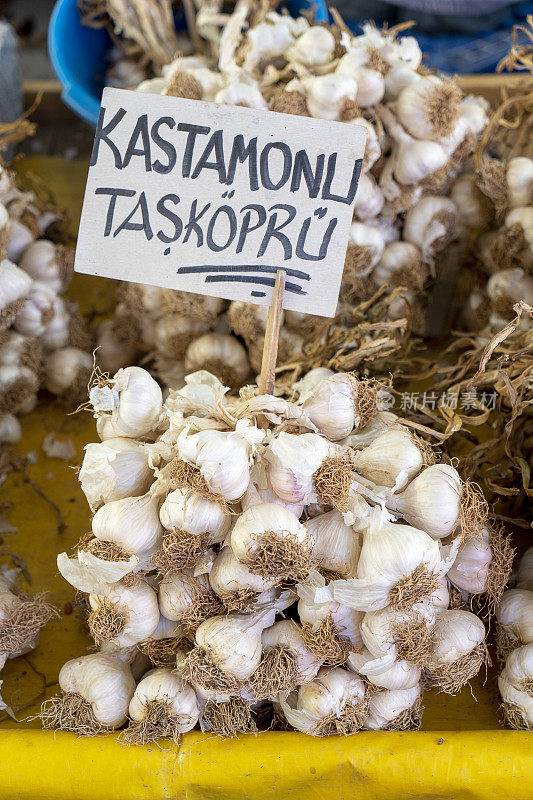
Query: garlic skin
[(515, 615), (132, 523), (113, 470), (520, 181), (20, 237), (10, 429), (139, 602), (336, 546), (228, 575), (333, 407), (188, 511), (306, 384), (431, 224), (223, 458), (40, 262), (293, 460), (472, 205), (15, 285), (470, 570), (287, 634), (213, 349), (165, 687), (431, 501), (104, 681), (129, 405), (261, 519), (324, 699), (400, 674), (233, 642), (67, 371), (393, 455), (260, 491), (385, 707), (179, 591), (428, 108), (456, 633), (390, 556), (241, 93)]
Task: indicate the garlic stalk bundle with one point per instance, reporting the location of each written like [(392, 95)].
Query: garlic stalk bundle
[(228, 650), (338, 404), (220, 354), (334, 703), (394, 710), (187, 598), (286, 661), (433, 502), (330, 629), (223, 458), (128, 405), (237, 587), (394, 457), (399, 566), (15, 284), (458, 649), (192, 523), (400, 674), (67, 373), (429, 108), (96, 692), (162, 707), (514, 616), (407, 635), (125, 615), (113, 470), (21, 619), (131, 523), (272, 543), (431, 224)]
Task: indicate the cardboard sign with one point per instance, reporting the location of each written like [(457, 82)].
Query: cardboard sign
[(214, 199)]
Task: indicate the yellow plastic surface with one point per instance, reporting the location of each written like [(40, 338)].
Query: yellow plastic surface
[(460, 754)]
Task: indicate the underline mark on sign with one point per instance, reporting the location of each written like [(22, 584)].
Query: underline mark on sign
[(209, 268)]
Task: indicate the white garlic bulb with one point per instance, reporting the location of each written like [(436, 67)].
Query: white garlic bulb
[(313, 48), (523, 216), (125, 615), (431, 224), (10, 429), (220, 354), (335, 545), (181, 594), (15, 284), (400, 674), (511, 285), (173, 334), (525, 571), (293, 460), (429, 108), (370, 240), (188, 511), (391, 457), (458, 648), (517, 705), (164, 688), (519, 665), (316, 611), (369, 199), (470, 570), (395, 709), (104, 682), (241, 93), (113, 470), (287, 634), (431, 501), (41, 260), (306, 384), (229, 577), (37, 310), (519, 177), (128, 405), (132, 523), (67, 372), (472, 205), (515, 615), (338, 404), (331, 96), (399, 76), (398, 565), (388, 634), (20, 237)]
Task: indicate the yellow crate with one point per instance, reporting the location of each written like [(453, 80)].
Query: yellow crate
[(460, 754)]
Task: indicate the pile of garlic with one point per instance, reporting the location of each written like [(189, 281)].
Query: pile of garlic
[(43, 339), (420, 131), (21, 619), (504, 249), (514, 636), (272, 557)]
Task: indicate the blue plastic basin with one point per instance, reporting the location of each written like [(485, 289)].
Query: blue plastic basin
[(78, 53)]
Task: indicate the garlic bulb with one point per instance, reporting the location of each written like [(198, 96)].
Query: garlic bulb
[(20, 237), (241, 93), (400, 262), (393, 456), (306, 384), (398, 675), (162, 706), (472, 205), (429, 108), (220, 354), (391, 635), (431, 224), (331, 96), (333, 703), (174, 333), (369, 199), (330, 628), (113, 470), (293, 460), (47, 263), (523, 216), (519, 666), (97, 690), (67, 372), (185, 597), (519, 177), (515, 616), (470, 570), (18, 389), (10, 429), (195, 514), (287, 635), (131, 523), (313, 48), (125, 615), (396, 709), (234, 583), (272, 542), (525, 571), (509, 286), (517, 705), (365, 248), (431, 501), (336, 546), (398, 566), (338, 404), (398, 78), (128, 405), (37, 310), (15, 285), (21, 618), (458, 649)]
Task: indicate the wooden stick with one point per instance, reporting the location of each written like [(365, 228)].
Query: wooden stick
[(270, 350)]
